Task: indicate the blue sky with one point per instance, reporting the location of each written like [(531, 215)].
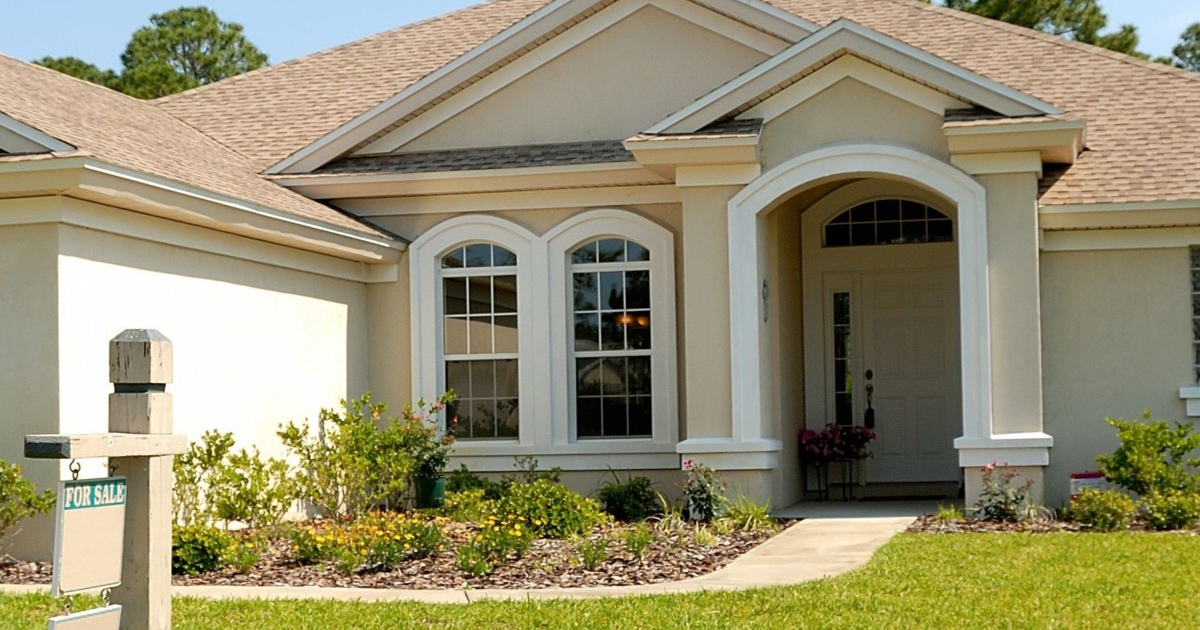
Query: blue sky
[(97, 31)]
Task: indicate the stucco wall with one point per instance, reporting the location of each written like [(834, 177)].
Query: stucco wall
[(1117, 333), (610, 87), (255, 345), (852, 110), (28, 358)]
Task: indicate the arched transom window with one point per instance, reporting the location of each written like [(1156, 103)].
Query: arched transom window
[(479, 341), (612, 347), (889, 222)]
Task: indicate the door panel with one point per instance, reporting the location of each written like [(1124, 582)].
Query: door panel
[(910, 341)]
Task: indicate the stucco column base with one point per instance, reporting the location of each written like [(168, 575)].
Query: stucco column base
[(974, 482)]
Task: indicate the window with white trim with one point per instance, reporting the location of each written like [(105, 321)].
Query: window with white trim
[(480, 350), (888, 222), (612, 341)]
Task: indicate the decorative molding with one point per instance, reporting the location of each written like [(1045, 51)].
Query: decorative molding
[(1014, 449), (716, 175), (747, 226), (996, 163), (1057, 141), (846, 35)]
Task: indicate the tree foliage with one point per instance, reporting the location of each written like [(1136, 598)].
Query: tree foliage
[(179, 50), (1187, 53), (1080, 20), (185, 48)]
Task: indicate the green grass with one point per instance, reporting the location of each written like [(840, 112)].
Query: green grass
[(917, 581)]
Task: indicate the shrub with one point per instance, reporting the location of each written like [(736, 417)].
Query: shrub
[(1000, 500), (749, 516), (463, 479), (472, 560), (948, 514), (378, 541), (631, 501), (350, 463), (703, 537), (195, 472), (422, 436), (702, 491), (466, 506), (251, 490), (198, 548), (550, 509), (243, 555), (19, 498), (504, 537), (638, 539), (1103, 511), (592, 553), (1171, 509), (1153, 457)]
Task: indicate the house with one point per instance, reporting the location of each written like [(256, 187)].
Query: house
[(626, 233)]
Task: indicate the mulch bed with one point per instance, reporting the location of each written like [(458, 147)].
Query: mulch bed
[(931, 525), (548, 564)]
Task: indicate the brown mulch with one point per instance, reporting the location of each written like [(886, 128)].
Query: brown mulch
[(932, 525), (548, 564)]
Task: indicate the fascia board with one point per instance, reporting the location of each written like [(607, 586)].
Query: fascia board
[(41, 142), (846, 35), (782, 24), (1058, 141), (456, 182), (99, 182)]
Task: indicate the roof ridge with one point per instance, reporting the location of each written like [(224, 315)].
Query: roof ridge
[(1059, 40), (320, 53)]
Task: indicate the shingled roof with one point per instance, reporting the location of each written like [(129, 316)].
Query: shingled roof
[(134, 134), (1143, 118)]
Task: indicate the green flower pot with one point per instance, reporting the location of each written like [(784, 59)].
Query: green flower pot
[(430, 492)]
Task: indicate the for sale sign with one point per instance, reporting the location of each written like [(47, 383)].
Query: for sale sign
[(90, 536), (107, 618)]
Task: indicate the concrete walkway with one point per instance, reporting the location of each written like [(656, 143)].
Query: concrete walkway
[(812, 549)]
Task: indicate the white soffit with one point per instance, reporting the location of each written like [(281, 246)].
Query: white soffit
[(18, 138), (847, 37), (753, 22)]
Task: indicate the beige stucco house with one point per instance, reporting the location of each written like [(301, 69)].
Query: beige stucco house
[(627, 233)]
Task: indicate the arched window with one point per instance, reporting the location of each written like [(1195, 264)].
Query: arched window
[(612, 341), (889, 222), (480, 349)]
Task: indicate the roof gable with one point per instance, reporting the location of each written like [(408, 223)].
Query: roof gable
[(749, 94), (538, 39), (17, 138)]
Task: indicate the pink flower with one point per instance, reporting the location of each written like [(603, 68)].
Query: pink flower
[(687, 463), (439, 406)]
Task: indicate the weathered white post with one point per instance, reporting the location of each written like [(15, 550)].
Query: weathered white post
[(140, 365), (139, 447)]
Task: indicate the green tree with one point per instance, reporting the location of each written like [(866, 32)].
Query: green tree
[(185, 48), (1080, 20), (1187, 53), (81, 69)]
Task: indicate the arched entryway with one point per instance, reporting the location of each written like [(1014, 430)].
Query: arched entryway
[(949, 278)]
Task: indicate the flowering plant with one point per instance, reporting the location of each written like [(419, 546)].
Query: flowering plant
[(836, 442), (428, 443), (702, 491)]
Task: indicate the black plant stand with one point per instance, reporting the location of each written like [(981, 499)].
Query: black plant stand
[(822, 468)]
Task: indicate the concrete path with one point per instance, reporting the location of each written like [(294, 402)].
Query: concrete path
[(812, 549)]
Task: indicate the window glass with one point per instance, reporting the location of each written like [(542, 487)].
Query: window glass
[(480, 327), (888, 222)]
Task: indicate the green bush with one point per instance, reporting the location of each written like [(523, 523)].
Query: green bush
[(629, 502), (244, 554), (592, 553), (463, 480), (198, 549), (379, 541), (702, 492), (1103, 511), (638, 539), (472, 560), (550, 509), (195, 472), (999, 499), (749, 516), (1171, 509), (19, 498), (1153, 457), (466, 506), (251, 490)]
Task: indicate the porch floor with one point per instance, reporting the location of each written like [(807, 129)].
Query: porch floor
[(864, 509)]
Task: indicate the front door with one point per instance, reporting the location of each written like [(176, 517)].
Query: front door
[(910, 346)]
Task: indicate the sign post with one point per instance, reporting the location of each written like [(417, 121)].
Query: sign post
[(139, 447)]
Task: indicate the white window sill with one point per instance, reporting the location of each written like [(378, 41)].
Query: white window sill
[(1192, 396)]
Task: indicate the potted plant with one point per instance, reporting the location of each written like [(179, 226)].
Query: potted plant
[(429, 447), (836, 442)]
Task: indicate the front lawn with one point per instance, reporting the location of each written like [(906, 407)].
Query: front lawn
[(1123, 580)]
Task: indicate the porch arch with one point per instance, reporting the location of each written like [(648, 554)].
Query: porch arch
[(747, 227)]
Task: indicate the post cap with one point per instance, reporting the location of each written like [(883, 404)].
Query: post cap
[(140, 357)]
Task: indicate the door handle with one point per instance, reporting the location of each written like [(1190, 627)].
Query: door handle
[(869, 414)]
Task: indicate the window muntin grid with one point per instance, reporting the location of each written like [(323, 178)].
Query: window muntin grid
[(611, 341), (888, 222), (480, 341), (843, 378)]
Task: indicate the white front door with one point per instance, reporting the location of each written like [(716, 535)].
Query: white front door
[(910, 346)]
